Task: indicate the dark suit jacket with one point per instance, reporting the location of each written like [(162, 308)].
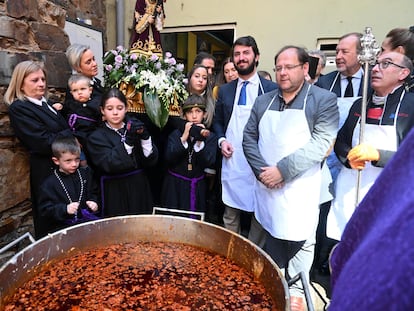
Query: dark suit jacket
[(326, 81), (225, 102)]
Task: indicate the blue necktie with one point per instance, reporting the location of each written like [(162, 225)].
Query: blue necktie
[(242, 97)]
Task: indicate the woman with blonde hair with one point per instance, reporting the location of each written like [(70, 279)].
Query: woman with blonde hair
[(36, 124)]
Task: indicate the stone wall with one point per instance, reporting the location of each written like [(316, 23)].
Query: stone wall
[(32, 29)]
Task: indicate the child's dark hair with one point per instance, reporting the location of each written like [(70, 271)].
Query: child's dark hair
[(65, 144), (113, 93)]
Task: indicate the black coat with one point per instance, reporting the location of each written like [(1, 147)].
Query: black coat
[(176, 191), (53, 200), (124, 184), (36, 128)]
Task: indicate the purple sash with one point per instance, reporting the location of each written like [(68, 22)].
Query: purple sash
[(194, 182), (73, 117), (86, 216)]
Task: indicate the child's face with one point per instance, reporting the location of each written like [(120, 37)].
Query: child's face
[(195, 115), (81, 91), (114, 112), (67, 162)]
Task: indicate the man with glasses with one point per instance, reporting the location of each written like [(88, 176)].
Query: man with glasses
[(287, 136), (389, 118)]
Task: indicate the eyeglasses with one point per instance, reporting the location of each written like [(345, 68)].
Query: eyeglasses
[(384, 64), (287, 67)]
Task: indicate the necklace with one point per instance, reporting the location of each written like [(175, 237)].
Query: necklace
[(190, 157), (66, 190), (117, 131)]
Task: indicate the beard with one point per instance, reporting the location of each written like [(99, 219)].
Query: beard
[(246, 71)]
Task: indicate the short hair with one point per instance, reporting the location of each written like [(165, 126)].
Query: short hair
[(65, 144), (75, 78), (319, 53), (20, 72), (303, 56), (202, 56), (74, 54), (402, 37), (113, 93), (408, 63), (264, 74), (247, 41), (358, 36)]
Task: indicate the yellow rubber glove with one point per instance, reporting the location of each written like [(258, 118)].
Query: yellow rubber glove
[(363, 152), (357, 165)]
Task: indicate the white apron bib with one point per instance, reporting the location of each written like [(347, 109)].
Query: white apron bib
[(237, 177), (380, 137), (343, 103), (289, 213)]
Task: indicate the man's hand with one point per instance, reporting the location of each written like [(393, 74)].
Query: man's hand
[(357, 165), (226, 149), (271, 177), (363, 152)]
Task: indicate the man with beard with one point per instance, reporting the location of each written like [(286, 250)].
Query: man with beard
[(233, 106)]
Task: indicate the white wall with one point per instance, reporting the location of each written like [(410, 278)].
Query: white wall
[(275, 23)]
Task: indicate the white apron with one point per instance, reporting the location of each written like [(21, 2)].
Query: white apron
[(289, 213), (343, 103), (380, 137), (237, 177)]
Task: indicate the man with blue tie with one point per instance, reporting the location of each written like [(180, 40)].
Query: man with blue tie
[(234, 103)]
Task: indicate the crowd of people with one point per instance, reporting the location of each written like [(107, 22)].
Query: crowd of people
[(284, 155)]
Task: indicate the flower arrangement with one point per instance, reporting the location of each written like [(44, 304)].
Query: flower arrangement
[(161, 80)]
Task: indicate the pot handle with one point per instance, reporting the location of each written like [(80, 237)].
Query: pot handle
[(11, 244), (301, 276), (173, 211)]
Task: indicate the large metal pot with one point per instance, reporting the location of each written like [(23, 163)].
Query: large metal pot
[(24, 265)]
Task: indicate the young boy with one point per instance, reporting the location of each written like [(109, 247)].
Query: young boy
[(82, 111), (184, 185), (69, 195)]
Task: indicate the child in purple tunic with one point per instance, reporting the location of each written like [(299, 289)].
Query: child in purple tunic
[(184, 185)]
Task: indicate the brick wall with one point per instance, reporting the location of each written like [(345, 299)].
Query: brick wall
[(32, 29)]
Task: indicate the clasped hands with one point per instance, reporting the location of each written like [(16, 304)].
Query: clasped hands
[(271, 177), (72, 208), (360, 154)]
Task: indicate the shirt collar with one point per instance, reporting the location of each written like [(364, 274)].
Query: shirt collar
[(36, 101), (356, 75), (252, 80)]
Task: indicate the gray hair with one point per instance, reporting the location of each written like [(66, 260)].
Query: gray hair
[(321, 55), (74, 54)]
